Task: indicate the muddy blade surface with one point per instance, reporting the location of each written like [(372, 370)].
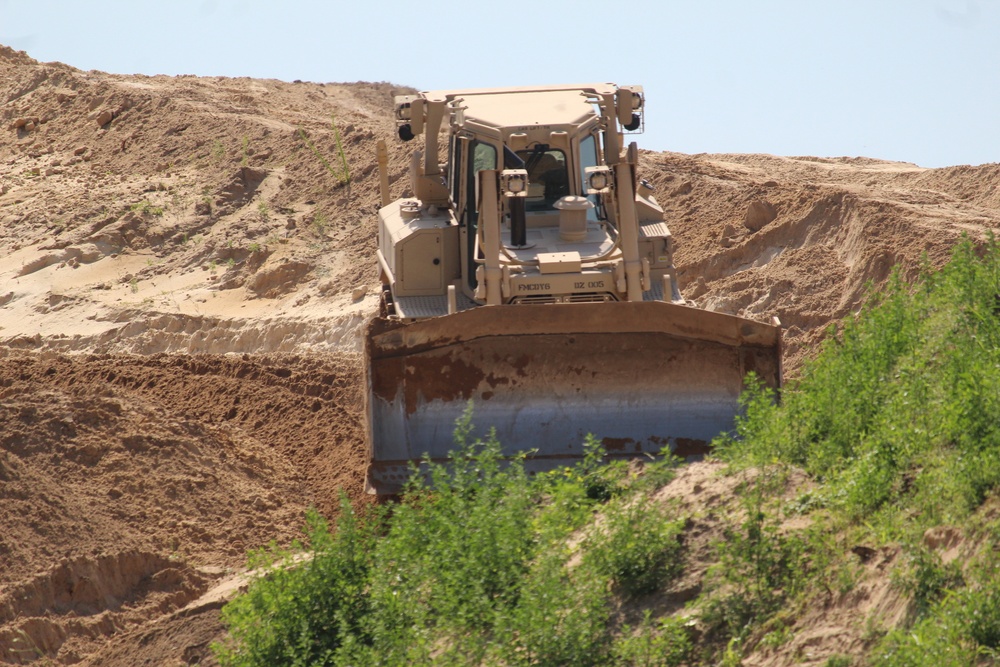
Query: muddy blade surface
[(641, 377)]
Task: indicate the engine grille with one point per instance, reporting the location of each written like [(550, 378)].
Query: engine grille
[(587, 297)]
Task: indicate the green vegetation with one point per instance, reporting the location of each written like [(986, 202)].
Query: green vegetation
[(145, 207), (898, 417), (486, 566), (911, 387), (896, 423), (218, 151), (263, 211), (759, 567), (341, 173), (963, 628), (319, 223)]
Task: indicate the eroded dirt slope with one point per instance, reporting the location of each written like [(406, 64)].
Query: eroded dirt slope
[(153, 214), (805, 238)]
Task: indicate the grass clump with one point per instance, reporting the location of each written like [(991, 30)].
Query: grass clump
[(319, 223), (962, 629), (144, 207), (759, 566), (342, 172), (263, 211), (638, 548), (663, 643)]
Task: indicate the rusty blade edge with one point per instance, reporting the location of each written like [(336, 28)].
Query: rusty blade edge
[(387, 338)]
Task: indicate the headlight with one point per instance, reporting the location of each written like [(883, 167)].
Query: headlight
[(514, 182), (598, 179), (402, 104)]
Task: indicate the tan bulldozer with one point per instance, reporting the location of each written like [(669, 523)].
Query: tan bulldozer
[(532, 274)]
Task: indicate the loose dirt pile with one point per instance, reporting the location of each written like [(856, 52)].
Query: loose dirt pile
[(131, 483), (185, 267)]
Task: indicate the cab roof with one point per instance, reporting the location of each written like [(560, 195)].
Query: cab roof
[(527, 106)]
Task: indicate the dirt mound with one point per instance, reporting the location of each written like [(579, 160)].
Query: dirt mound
[(179, 461), (178, 639)]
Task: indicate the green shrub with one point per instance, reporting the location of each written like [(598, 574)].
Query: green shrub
[(454, 557), (926, 578), (637, 546), (666, 643), (561, 617), (902, 404), (898, 419), (941, 639), (839, 661), (758, 567), (299, 610), (982, 615), (481, 565)]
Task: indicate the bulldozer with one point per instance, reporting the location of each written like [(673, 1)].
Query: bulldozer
[(531, 273)]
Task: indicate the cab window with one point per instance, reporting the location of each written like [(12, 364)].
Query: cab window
[(484, 156), (453, 169), (548, 177), (588, 158)]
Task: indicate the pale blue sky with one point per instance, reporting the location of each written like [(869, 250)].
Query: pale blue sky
[(910, 80)]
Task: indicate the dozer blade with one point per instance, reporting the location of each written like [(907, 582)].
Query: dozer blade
[(641, 377)]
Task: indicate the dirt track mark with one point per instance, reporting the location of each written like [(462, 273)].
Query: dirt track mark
[(89, 598)]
